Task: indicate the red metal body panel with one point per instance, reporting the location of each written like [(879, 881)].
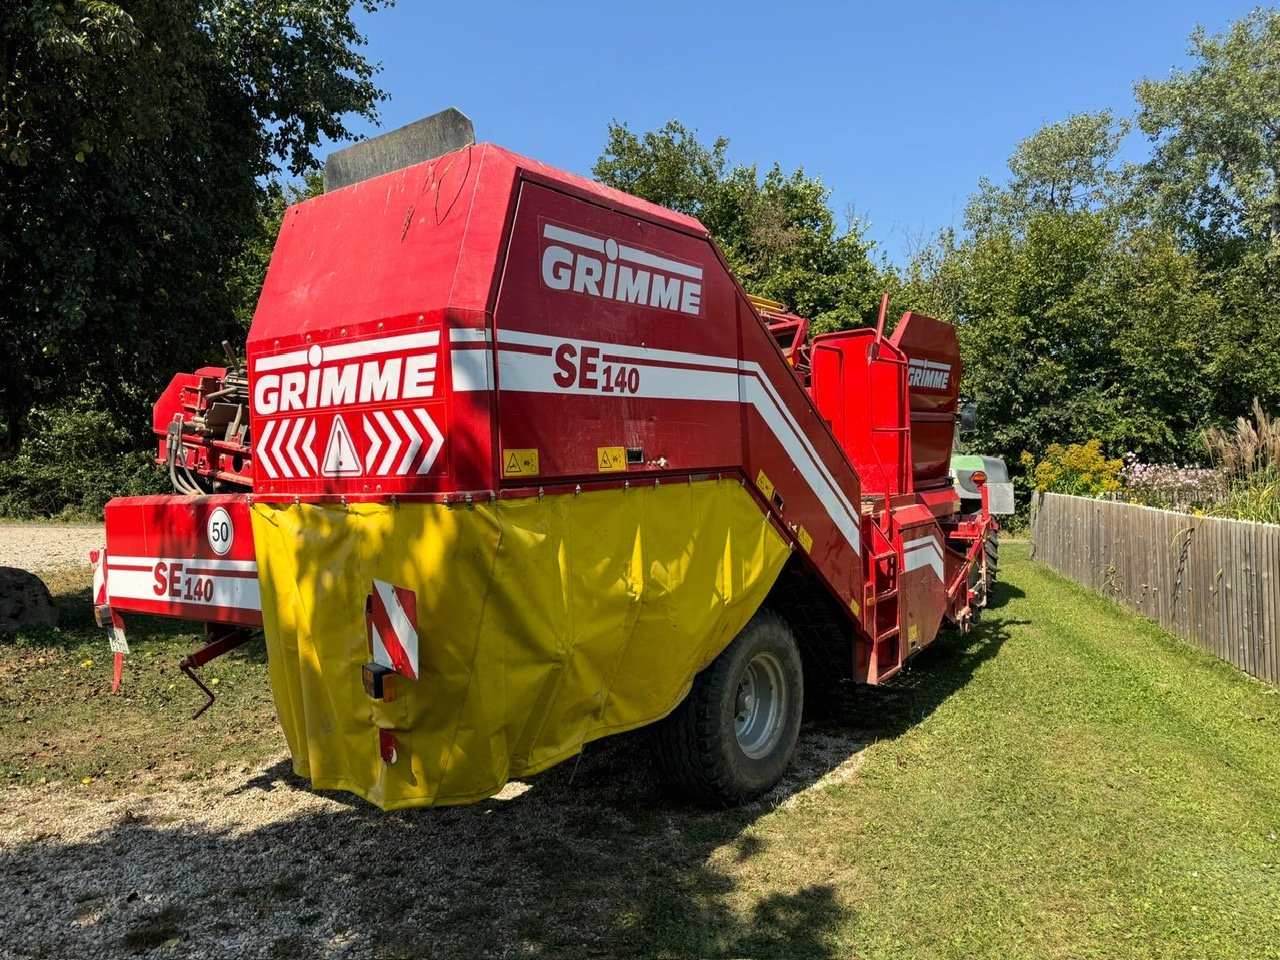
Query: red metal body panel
[(364, 287), (483, 325), (615, 335), (189, 557), (859, 384), (933, 383)]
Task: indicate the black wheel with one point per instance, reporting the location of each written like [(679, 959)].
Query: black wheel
[(733, 736), (993, 559)]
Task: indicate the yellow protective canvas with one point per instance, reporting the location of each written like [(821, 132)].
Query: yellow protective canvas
[(543, 623)]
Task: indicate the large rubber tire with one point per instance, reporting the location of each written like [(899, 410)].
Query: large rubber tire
[(993, 560), (717, 746)]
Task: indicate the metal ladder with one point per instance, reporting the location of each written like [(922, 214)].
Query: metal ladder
[(883, 616)]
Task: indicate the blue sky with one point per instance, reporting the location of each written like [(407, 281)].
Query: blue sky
[(899, 108)]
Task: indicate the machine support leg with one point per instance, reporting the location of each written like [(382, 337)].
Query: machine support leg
[(222, 640)]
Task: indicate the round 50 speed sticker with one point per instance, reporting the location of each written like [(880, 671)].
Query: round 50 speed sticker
[(220, 531)]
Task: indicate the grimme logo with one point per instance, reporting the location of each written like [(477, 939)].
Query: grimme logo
[(929, 374), (603, 267), (325, 381)]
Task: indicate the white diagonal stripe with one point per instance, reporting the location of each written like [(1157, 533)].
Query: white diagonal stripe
[(437, 440), (405, 631), (375, 444), (923, 552), (415, 442), (308, 447), (281, 460), (263, 454), (393, 439), (292, 446), (734, 381)]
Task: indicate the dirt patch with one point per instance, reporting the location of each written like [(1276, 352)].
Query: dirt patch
[(48, 546)]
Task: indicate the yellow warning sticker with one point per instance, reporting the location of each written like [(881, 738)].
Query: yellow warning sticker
[(611, 458), (521, 462), (805, 539), (853, 605), (766, 487), (913, 633)]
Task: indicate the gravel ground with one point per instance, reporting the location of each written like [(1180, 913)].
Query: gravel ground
[(252, 863), (47, 546)]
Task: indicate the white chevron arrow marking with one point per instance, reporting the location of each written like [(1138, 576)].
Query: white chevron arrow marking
[(281, 434), (375, 444), (437, 440), (395, 442), (309, 449), (263, 455), (291, 446), (415, 442)]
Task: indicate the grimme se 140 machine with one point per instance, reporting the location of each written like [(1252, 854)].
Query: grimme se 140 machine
[(514, 463)]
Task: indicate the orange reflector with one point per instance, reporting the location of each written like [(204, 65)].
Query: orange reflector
[(979, 477)]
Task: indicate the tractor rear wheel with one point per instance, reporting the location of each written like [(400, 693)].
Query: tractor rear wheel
[(993, 559), (732, 738)]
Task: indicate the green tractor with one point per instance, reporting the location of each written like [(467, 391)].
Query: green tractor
[(970, 472)]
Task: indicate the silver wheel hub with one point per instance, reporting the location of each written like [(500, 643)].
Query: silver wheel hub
[(760, 708)]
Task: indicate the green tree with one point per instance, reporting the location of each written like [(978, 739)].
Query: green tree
[(136, 139), (777, 230), (1075, 319), (1214, 178), (1215, 172)]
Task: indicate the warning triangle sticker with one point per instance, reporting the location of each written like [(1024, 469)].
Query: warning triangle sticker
[(340, 458), (513, 465)]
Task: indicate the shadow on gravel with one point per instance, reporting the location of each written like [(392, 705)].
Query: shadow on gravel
[(592, 858)]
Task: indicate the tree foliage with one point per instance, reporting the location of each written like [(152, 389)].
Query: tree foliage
[(777, 230), (1215, 173), (1132, 303), (136, 139)]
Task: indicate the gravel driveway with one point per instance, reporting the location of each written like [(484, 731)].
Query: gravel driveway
[(252, 863), (47, 546)]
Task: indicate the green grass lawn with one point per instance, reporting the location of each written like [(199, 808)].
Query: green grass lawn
[(1065, 781), (59, 719)]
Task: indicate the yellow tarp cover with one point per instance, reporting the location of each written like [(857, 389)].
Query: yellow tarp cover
[(543, 624)]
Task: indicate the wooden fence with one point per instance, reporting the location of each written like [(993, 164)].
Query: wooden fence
[(1215, 582)]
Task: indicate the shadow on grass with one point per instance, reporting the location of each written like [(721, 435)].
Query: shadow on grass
[(591, 858)]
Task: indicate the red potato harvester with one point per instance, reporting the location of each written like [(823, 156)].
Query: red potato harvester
[(514, 463)]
